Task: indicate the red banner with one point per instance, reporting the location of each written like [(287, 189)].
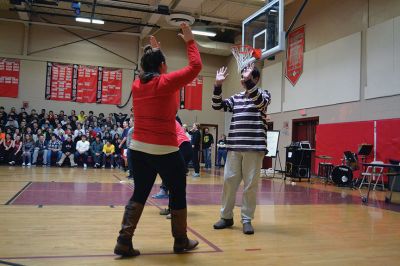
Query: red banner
[(191, 96), (87, 84), (61, 82), (9, 77), (295, 55), (110, 86)]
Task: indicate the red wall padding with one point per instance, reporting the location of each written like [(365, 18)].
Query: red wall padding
[(334, 139), (388, 140)]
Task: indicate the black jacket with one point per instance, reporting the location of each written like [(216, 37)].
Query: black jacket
[(68, 147), (196, 139)]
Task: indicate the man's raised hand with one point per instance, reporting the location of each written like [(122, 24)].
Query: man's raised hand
[(221, 76)]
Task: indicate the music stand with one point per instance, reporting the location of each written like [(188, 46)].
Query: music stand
[(364, 150)]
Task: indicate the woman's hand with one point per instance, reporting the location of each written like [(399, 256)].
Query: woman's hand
[(154, 43), (186, 34)]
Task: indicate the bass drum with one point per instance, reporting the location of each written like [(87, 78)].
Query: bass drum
[(342, 175)]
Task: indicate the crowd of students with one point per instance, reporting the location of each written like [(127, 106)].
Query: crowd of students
[(48, 139)]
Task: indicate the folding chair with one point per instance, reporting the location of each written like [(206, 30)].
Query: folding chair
[(370, 173)]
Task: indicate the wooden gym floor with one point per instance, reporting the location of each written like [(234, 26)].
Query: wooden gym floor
[(62, 216)]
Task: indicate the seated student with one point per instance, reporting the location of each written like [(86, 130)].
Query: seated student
[(68, 150), (17, 152), (7, 148), (96, 149), (27, 150), (82, 150), (54, 147), (108, 152), (82, 117), (40, 150)]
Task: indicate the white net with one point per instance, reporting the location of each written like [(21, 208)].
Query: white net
[(243, 54)]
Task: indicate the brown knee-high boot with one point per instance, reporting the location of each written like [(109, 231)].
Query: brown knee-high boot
[(179, 223), (132, 214)]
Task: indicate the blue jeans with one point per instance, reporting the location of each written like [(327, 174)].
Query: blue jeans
[(221, 155), (50, 152), (207, 157), (83, 155), (130, 163)]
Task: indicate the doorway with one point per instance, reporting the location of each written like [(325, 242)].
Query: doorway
[(304, 129), (213, 130)]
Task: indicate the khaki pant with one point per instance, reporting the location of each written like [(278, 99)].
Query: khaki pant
[(240, 166), (71, 159)]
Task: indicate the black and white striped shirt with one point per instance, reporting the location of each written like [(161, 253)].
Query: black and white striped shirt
[(248, 128)]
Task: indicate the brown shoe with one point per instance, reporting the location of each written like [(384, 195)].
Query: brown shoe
[(125, 250), (131, 217), (179, 224)]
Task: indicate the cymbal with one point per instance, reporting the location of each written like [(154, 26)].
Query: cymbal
[(324, 157)]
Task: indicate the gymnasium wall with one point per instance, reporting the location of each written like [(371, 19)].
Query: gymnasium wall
[(340, 83), (33, 70), (33, 65)]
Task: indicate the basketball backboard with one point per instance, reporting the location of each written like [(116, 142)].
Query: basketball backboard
[(264, 29)]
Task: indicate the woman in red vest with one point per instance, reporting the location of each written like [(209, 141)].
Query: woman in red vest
[(154, 145)]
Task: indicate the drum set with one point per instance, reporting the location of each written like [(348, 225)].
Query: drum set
[(341, 175)]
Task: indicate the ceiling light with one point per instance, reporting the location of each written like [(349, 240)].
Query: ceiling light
[(85, 20), (97, 21), (204, 33)]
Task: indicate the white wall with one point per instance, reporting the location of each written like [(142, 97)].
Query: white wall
[(331, 75), (272, 81), (383, 59)]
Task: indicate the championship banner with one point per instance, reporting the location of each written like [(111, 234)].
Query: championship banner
[(109, 86), (193, 94), (61, 82), (295, 55), (87, 84), (9, 77)]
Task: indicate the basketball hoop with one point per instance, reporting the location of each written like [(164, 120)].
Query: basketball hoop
[(243, 55)]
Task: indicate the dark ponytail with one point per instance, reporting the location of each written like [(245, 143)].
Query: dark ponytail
[(150, 63)]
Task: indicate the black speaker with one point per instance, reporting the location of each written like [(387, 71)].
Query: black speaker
[(303, 172), (298, 157), (298, 162)]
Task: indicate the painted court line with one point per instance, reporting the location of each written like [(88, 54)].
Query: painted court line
[(10, 201), (98, 256)]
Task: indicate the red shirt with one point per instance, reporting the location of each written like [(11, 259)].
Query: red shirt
[(180, 134), (154, 103)]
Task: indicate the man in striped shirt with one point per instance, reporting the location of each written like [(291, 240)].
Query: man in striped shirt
[(246, 144)]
